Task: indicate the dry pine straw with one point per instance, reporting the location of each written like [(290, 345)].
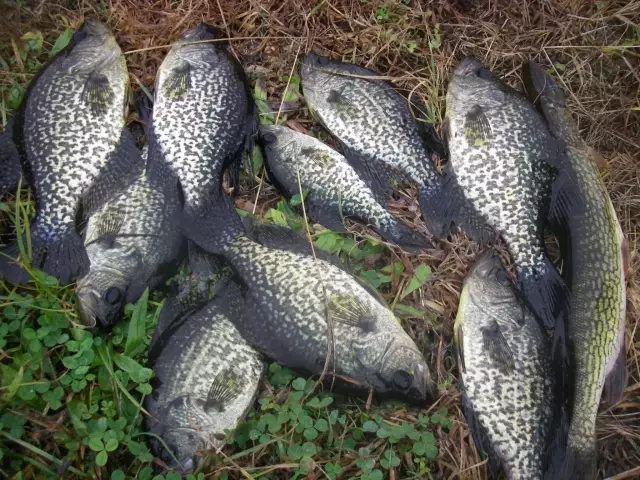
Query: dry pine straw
[(593, 48)]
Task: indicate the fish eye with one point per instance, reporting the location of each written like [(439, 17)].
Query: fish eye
[(324, 61), (402, 380), (79, 36), (503, 278), (113, 295), (483, 73), (269, 138)]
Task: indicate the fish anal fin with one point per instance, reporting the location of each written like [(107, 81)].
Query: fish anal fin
[(98, 93), (178, 82), (616, 379), (346, 309), (477, 129), (123, 167), (226, 386), (327, 215), (497, 347), (378, 179)]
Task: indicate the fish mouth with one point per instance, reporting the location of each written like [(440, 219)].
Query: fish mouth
[(88, 307), (424, 389), (470, 67), (486, 265), (202, 31)]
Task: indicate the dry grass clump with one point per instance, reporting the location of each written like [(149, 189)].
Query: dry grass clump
[(592, 47)]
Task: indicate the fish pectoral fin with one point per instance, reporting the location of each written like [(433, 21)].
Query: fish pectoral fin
[(346, 309), (98, 93), (226, 386), (477, 129), (105, 224), (430, 138), (616, 379), (178, 82), (123, 167), (10, 166), (566, 200), (497, 347)]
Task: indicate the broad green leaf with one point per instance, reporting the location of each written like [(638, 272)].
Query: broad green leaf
[(61, 42), (420, 275), (137, 326)]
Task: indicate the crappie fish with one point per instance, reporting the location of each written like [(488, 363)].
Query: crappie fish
[(69, 135), (595, 260), (206, 375), (299, 310), (502, 157), (133, 243), (504, 357), (378, 131), (335, 190), (204, 122)]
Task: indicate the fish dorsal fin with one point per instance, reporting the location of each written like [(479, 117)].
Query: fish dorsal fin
[(497, 347), (178, 82), (98, 93), (477, 129), (347, 309), (105, 224), (226, 387)]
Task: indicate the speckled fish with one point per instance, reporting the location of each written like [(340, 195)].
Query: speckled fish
[(378, 131), (206, 375), (504, 357), (204, 122), (133, 243), (69, 135), (298, 306), (501, 156), (335, 191), (595, 260)]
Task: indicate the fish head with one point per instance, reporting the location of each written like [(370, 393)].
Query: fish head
[(186, 426), (490, 288), (322, 80), (397, 366), (473, 85), (182, 445), (115, 278), (195, 46), (92, 48), (279, 141)]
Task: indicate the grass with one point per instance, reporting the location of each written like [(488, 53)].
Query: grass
[(70, 400)]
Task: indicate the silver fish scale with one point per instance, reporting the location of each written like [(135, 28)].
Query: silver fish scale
[(209, 341), (504, 178), (375, 124), (68, 145), (328, 176), (148, 224), (514, 408), (291, 290), (197, 133)]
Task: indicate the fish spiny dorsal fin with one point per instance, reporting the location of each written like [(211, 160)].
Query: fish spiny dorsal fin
[(105, 224), (178, 82), (345, 308), (226, 387), (477, 129), (497, 347), (98, 93)]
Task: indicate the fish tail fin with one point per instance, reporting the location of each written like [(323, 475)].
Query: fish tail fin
[(10, 166), (62, 256), (544, 292), (405, 236), (213, 225), (437, 210)]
